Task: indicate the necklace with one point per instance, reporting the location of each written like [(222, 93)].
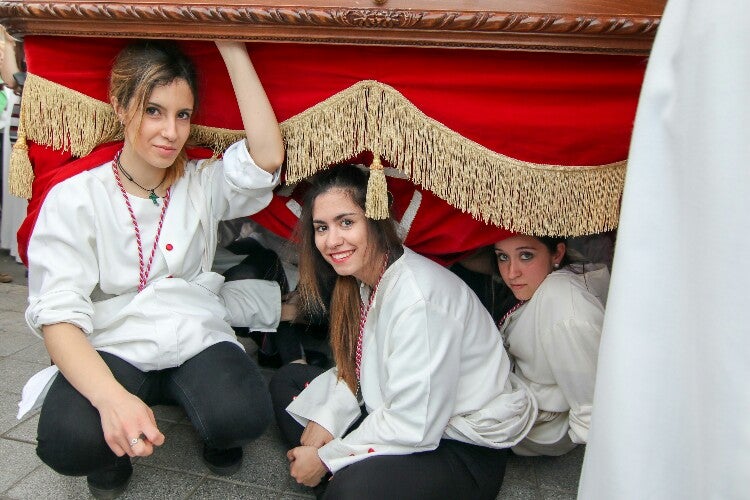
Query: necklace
[(363, 310), (504, 334), (510, 311), (143, 269), (151, 194)]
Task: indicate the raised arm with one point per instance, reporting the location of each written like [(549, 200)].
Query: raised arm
[(263, 135), (8, 66)]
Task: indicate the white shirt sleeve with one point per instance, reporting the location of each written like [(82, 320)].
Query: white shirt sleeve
[(328, 402), (63, 265), (240, 188), (571, 348)]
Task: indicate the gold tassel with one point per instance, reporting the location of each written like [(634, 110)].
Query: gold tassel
[(20, 171), (376, 204)]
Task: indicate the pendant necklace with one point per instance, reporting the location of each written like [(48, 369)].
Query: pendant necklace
[(363, 311), (144, 269), (504, 333), (151, 194)]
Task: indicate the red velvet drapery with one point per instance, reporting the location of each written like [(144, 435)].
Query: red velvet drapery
[(566, 109)]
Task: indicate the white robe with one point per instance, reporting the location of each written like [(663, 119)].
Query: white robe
[(83, 266), (433, 367), (554, 340), (672, 395)]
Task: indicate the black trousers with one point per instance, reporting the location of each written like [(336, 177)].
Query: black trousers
[(221, 389), (453, 471)]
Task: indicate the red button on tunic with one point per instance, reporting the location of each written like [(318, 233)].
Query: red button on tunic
[(169, 247)]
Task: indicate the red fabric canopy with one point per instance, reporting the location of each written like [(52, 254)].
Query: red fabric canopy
[(566, 109)]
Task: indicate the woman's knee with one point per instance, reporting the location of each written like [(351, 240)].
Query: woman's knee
[(69, 435), (72, 450), (238, 418)]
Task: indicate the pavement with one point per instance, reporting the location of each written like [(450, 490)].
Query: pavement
[(175, 470)]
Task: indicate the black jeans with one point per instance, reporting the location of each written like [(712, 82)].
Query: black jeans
[(221, 389), (452, 471)]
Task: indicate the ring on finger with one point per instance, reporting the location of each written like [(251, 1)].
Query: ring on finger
[(134, 441)]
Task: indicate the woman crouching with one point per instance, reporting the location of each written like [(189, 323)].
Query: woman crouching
[(421, 402), (553, 335)]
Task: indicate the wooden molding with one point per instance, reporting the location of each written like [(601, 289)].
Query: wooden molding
[(604, 26)]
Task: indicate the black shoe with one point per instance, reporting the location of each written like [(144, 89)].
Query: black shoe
[(222, 461), (111, 481)]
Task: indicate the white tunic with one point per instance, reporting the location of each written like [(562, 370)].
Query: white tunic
[(84, 268), (433, 367), (554, 340)]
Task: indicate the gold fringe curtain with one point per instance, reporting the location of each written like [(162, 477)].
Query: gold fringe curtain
[(369, 116)]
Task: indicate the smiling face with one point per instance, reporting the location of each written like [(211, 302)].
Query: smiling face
[(524, 262), (155, 137), (342, 236)]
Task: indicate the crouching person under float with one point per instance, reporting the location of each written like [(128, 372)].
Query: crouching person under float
[(552, 334), (421, 402), (120, 284)]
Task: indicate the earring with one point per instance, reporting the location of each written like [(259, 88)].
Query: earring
[(556, 265)]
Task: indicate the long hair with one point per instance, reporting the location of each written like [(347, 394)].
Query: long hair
[(318, 280), (141, 67)]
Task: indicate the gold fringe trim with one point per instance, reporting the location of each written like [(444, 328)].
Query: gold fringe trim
[(370, 116), (521, 196), (65, 119)]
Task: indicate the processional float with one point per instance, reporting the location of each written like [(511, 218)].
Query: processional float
[(485, 116)]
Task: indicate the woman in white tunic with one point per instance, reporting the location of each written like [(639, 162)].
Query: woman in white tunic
[(421, 403), (119, 281), (552, 335)]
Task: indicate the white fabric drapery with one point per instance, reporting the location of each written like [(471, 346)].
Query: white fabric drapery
[(672, 401)]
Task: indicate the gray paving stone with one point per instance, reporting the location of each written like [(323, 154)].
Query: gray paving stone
[(17, 460), (35, 352), (169, 413), (151, 482), (560, 473), (13, 297), (180, 451), (8, 411), (518, 491), (557, 495), (214, 489), (264, 464), (11, 341), (15, 373), (13, 321), (24, 430), (294, 488), (46, 483), (520, 470)]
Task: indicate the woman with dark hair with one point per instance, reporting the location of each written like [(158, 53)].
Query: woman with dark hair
[(120, 286), (552, 334), (421, 402)]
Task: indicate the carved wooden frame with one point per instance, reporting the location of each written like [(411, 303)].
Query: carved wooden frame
[(593, 26)]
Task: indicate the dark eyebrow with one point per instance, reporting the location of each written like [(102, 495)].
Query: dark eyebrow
[(515, 249), (152, 104), (337, 218)]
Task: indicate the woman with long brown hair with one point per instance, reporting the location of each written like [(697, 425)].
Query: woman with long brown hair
[(421, 402), (120, 286)]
